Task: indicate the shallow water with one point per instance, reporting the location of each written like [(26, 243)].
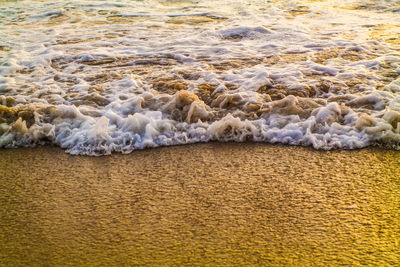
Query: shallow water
[(95, 77), (207, 204)]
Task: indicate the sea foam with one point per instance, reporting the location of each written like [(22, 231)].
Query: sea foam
[(96, 77)]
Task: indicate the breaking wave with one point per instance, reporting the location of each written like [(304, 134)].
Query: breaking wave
[(99, 77)]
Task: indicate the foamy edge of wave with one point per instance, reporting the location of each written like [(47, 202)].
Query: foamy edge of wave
[(328, 127)]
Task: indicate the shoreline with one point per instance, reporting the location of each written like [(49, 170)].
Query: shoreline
[(208, 203)]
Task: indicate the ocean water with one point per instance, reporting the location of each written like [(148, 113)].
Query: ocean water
[(96, 77)]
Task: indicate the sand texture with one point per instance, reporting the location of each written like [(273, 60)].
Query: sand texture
[(203, 204)]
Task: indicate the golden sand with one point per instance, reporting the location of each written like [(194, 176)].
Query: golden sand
[(203, 204)]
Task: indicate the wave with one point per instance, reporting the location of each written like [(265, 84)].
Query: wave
[(96, 78)]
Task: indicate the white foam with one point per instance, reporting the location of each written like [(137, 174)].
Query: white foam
[(234, 47)]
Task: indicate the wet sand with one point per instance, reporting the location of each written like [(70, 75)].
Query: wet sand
[(203, 204)]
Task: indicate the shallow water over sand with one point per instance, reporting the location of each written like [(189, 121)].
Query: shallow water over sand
[(219, 204), (95, 77)]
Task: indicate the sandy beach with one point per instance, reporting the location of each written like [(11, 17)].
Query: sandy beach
[(207, 95), (203, 204)]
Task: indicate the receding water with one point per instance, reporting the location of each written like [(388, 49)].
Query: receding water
[(207, 204)]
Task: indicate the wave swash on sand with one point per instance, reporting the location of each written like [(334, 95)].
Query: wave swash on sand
[(97, 77)]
